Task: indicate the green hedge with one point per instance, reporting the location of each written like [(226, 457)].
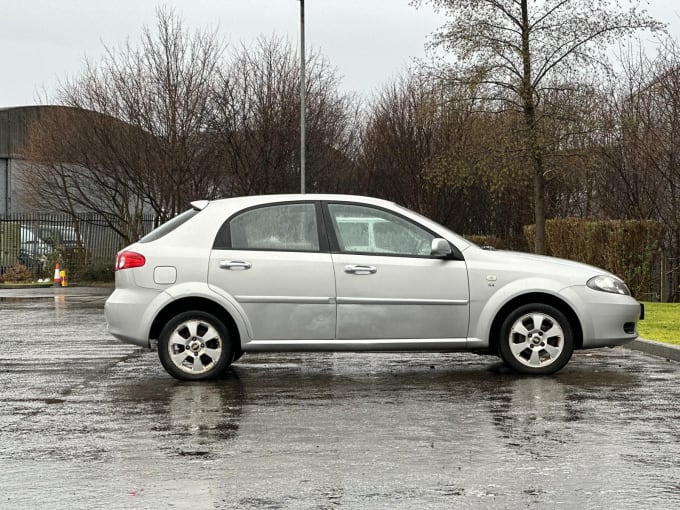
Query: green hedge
[(627, 248)]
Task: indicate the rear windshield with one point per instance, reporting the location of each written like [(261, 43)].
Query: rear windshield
[(169, 226)]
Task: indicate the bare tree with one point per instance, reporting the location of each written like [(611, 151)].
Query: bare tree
[(144, 147), (79, 166), (643, 152), (406, 135), (515, 49), (256, 122), (573, 126), (425, 147)]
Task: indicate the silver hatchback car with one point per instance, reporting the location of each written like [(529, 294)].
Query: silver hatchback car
[(350, 273)]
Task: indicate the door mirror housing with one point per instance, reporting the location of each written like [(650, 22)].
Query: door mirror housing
[(440, 248)]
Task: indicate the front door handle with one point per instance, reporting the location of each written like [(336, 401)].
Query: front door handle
[(235, 265), (353, 269)]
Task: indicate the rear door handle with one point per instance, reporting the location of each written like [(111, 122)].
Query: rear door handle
[(353, 269), (235, 265)]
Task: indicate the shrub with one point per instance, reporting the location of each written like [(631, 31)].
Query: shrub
[(94, 272), (626, 248), (17, 273)]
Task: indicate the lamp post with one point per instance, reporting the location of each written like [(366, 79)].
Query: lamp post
[(303, 86)]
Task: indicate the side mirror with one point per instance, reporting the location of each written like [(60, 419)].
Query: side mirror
[(440, 248)]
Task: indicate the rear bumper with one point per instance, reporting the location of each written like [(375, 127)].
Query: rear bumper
[(126, 314)]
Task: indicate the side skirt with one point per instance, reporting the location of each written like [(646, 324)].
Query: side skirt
[(408, 344)]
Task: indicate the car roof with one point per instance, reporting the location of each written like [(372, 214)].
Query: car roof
[(247, 201)]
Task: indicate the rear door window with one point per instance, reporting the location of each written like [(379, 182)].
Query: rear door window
[(279, 227)]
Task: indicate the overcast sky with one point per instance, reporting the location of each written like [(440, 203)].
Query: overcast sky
[(368, 41)]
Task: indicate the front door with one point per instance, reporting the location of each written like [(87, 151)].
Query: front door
[(388, 285)]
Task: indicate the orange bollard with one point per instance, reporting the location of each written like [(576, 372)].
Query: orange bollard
[(57, 275)]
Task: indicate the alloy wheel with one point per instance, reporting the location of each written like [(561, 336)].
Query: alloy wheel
[(536, 339)]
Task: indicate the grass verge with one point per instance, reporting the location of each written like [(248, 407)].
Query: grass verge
[(662, 323)]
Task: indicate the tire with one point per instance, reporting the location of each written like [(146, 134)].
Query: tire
[(237, 355), (536, 339), (195, 345)]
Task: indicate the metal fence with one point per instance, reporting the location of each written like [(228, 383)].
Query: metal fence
[(39, 241)]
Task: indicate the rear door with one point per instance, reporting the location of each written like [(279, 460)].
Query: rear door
[(274, 261)]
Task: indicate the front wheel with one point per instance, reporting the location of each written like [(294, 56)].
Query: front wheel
[(195, 345), (536, 339)]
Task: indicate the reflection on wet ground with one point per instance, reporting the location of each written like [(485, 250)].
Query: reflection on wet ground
[(88, 422)]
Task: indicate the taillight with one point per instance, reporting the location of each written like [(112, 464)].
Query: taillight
[(128, 260)]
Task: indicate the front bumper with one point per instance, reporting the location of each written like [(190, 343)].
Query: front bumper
[(606, 319)]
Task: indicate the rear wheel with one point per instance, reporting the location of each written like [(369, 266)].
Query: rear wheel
[(536, 339), (195, 345)]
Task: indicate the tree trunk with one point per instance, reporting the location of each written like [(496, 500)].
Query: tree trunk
[(539, 202), (531, 139)]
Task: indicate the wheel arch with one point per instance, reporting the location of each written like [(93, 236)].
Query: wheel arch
[(196, 303), (535, 297)]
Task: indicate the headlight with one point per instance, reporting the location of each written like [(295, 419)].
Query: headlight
[(607, 283)]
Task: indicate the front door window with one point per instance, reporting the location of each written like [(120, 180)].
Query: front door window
[(370, 231)]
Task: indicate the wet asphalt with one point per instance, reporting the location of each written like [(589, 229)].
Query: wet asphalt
[(88, 422)]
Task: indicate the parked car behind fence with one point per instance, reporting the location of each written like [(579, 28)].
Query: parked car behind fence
[(38, 241), (34, 250)]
